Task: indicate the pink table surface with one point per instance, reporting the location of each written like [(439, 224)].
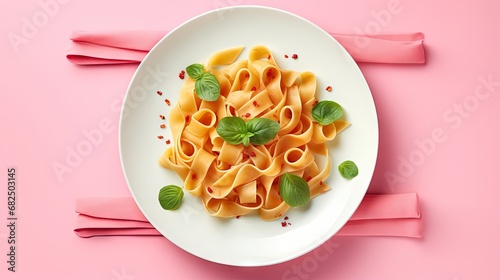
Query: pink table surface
[(439, 137)]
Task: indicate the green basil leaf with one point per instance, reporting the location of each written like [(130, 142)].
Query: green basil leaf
[(233, 130), (294, 190), (326, 111), (246, 141), (348, 169), (264, 130), (170, 197), (195, 71), (207, 87)]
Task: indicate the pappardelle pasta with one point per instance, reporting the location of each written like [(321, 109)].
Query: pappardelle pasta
[(237, 179)]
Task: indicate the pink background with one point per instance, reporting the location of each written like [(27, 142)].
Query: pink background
[(47, 103)]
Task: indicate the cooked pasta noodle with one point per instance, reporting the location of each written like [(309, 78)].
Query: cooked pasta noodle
[(234, 180)]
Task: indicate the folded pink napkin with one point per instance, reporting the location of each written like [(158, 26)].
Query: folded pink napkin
[(131, 46), (377, 215)]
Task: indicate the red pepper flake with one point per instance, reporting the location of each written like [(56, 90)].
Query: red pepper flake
[(329, 88), (162, 125), (285, 223), (295, 56), (252, 154), (193, 176), (245, 155), (167, 101), (182, 75), (268, 56), (210, 190), (162, 117), (187, 118), (168, 142), (315, 102), (286, 55), (160, 136), (254, 88), (320, 183), (237, 216), (269, 72), (308, 178), (159, 92), (247, 115), (255, 103)]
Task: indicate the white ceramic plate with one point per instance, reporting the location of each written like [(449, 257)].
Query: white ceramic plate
[(247, 241)]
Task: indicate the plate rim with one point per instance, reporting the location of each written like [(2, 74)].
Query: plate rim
[(354, 204)]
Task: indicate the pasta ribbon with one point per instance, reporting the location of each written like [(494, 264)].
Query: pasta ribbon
[(234, 180)]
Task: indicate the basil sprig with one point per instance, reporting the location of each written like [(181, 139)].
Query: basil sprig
[(348, 169), (206, 86), (170, 197), (195, 71), (234, 130), (257, 131), (294, 190), (263, 130), (326, 111)]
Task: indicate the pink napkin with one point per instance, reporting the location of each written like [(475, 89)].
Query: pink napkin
[(377, 215), (131, 46)]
